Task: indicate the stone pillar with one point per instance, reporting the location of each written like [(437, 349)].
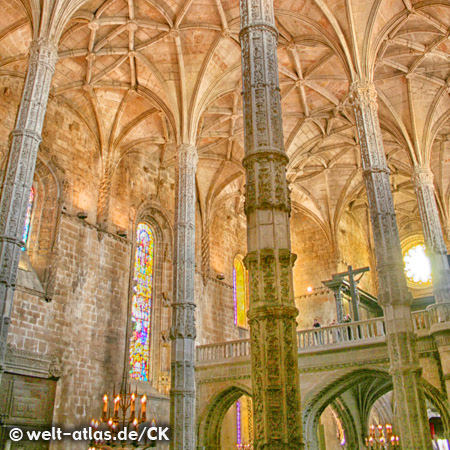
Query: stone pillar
[(432, 230), (437, 252), (19, 172), (275, 380), (182, 393), (393, 293), (104, 194)]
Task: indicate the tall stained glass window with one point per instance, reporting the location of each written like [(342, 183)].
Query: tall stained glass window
[(142, 304), (238, 424), (240, 282), (26, 227)]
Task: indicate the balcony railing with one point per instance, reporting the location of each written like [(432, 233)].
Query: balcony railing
[(223, 350), (363, 332)]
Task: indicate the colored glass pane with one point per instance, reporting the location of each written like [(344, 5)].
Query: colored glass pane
[(142, 304), (26, 227), (240, 293), (238, 423)]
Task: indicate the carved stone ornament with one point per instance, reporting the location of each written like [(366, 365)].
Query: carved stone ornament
[(18, 179), (393, 292), (183, 331), (432, 230), (55, 368), (275, 379)]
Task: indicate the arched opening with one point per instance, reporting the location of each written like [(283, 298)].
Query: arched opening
[(345, 408), (237, 425), (383, 412), (221, 416)]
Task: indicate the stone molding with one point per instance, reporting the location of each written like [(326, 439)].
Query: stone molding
[(31, 364)]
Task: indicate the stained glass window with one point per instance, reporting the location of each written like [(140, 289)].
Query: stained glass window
[(142, 304), (238, 423), (240, 282), (26, 227)]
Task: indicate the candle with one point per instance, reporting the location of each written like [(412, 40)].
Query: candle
[(133, 405), (105, 408), (116, 406), (144, 406)]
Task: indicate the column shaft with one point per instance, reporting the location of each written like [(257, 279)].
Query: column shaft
[(434, 238), (19, 173), (182, 393), (393, 293), (437, 252), (275, 380)]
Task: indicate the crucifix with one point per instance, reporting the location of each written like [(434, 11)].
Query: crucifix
[(336, 285)]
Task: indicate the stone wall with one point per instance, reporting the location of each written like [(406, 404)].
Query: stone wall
[(314, 264), (84, 323), (355, 250)]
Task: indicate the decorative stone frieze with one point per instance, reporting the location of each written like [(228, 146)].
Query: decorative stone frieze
[(272, 313), (183, 332), (393, 293), (18, 177)]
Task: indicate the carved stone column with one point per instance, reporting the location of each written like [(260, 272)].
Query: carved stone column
[(104, 194), (19, 172), (432, 230), (182, 393), (275, 380), (437, 252), (393, 293)]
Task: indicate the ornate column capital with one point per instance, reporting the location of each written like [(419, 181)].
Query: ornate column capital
[(423, 176), (363, 93), (187, 155), (257, 13), (44, 51)]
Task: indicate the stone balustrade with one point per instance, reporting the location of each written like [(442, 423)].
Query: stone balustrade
[(364, 330), (343, 334), (439, 313), (223, 350), (421, 322)]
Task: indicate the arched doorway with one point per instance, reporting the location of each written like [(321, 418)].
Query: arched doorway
[(211, 422), (351, 399)]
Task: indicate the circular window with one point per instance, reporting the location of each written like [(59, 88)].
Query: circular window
[(417, 266)]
